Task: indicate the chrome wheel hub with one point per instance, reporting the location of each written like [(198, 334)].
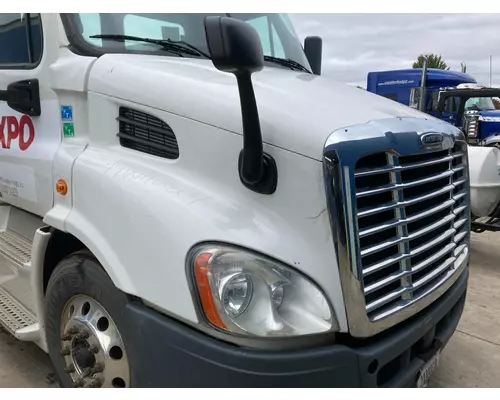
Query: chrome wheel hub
[(92, 347)]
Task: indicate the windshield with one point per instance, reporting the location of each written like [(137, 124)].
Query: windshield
[(276, 32), (480, 103)]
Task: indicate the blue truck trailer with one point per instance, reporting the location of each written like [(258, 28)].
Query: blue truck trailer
[(449, 95)]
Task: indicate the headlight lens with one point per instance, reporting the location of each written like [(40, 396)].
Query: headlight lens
[(248, 294), (471, 126), (236, 294)]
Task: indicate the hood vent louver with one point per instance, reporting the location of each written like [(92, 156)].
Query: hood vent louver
[(145, 133)]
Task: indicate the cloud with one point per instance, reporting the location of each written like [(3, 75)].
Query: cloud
[(354, 44)]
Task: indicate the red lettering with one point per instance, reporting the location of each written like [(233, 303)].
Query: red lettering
[(2, 124), (12, 129), (26, 121)]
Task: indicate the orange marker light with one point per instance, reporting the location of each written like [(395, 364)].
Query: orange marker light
[(207, 300), (62, 187)]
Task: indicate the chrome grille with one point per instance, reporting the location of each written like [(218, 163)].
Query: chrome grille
[(412, 223)]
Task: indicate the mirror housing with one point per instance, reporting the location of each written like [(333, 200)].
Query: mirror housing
[(235, 47), (415, 94), (313, 47)]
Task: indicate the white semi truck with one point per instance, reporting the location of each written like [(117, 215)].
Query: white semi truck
[(185, 201)]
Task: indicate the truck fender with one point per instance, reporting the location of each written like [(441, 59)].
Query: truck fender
[(50, 246), (40, 244), (492, 141)]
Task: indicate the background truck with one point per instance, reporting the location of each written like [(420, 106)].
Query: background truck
[(187, 202), (457, 98), (476, 114)]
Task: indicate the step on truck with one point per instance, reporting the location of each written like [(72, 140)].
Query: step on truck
[(186, 201)]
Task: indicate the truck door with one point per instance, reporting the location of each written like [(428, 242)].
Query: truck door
[(450, 110), (27, 142)]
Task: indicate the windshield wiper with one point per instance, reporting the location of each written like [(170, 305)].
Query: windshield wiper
[(287, 63), (177, 47)]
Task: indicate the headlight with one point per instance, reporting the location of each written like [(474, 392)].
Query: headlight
[(245, 293), (471, 126)]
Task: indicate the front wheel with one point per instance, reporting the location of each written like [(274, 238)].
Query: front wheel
[(84, 313)]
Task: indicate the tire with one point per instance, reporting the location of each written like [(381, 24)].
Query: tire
[(77, 281)]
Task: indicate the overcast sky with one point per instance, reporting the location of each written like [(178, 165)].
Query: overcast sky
[(354, 44)]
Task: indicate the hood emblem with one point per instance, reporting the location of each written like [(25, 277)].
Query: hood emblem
[(431, 139)]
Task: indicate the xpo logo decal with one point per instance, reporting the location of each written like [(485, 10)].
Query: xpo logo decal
[(16, 130)]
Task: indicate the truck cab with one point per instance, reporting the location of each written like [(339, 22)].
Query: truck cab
[(187, 202), (404, 87)]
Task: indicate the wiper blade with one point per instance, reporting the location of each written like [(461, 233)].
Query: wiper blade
[(177, 47), (287, 63), (182, 43)]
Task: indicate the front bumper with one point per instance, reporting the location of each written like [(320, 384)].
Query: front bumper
[(166, 353)]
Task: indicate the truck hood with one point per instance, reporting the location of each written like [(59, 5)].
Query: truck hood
[(297, 110), (492, 113)]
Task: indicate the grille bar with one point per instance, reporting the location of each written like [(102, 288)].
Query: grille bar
[(397, 186), (392, 205), (397, 222), (409, 289), (395, 168), (415, 235), (379, 284), (377, 267), (411, 222)]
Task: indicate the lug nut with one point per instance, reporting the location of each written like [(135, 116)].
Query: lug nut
[(65, 351), (97, 368), (69, 369), (66, 337), (78, 383), (94, 383), (72, 331), (86, 372), (83, 334), (94, 349)]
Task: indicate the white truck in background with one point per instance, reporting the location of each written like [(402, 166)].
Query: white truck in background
[(187, 202)]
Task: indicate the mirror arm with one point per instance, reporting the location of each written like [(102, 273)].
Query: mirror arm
[(257, 170), (252, 154)]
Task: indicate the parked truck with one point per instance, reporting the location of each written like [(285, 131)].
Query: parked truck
[(186, 201), (421, 88), (456, 97)]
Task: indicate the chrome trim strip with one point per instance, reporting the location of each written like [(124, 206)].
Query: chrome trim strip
[(369, 211), (405, 167), (343, 148), (402, 221), (398, 186)]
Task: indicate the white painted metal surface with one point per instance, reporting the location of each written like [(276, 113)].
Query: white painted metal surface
[(298, 111)]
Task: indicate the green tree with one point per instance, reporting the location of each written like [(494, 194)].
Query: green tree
[(433, 61)]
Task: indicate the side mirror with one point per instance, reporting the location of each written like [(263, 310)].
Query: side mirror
[(415, 94), (235, 47), (313, 47)]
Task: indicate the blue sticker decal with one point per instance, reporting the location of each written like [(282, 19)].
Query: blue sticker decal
[(67, 113)]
